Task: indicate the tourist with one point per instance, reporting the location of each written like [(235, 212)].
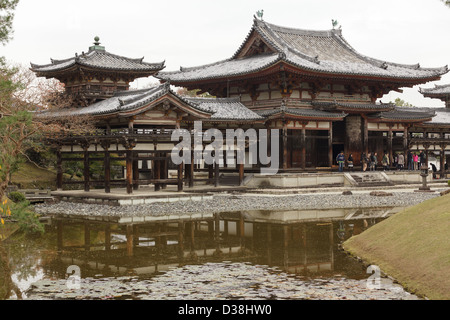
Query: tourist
[(422, 158), (375, 161), (372, 161), (401, 161), (340, 159), (364, 162), (433, 167), (416, 161), (385, 162), (410, 161), (350, 162)]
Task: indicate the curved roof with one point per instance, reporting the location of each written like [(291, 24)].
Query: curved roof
[(304, 113), (360, 107), (98, 58), (310, 50), (133, 100), (409, 114), (436, 92)]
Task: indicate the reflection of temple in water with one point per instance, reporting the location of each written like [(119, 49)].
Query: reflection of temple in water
[(301, 242)]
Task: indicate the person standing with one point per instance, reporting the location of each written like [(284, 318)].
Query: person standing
[(416, 161), (385, 162), (350, 162), (364, 161), (340, 159), (401, 161), (422, 159), (410, 161), (375, 161)]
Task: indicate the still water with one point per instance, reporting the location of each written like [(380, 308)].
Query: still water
[(240, 255)]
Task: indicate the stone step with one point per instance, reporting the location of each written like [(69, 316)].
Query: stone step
[(368, 179)]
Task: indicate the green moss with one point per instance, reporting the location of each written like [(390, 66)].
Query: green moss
[(411, 246)]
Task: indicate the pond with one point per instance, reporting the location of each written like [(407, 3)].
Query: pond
[(264, 255)]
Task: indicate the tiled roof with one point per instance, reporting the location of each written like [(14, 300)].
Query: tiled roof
[(222, 68), (224, 108), (406, 113), (317, 51), (437, 91), (337, 105), (442, 117), (127, 101), (302, 112), (99, 59)]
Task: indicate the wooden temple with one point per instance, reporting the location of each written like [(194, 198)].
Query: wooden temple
[(311, 85), (318, 90)]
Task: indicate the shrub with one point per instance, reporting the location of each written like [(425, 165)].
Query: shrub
[(16, 196)]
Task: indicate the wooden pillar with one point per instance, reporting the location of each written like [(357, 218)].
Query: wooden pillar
[(442, 161), (59, 171), (365, 134), (216, 174), (405, 140), (330, 145), (390, 138), (180, 177), (107, 166), (129, 167), (303, 141), (86, 169), (157, 167), (241, 174), (130, 240), (210, 173), (135, 172), (164, 169), (191, 170), (285, 145)]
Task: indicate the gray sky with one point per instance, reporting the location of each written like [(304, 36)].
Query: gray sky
[(193, 32)]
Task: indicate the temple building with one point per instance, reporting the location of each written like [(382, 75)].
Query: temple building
[(134, 126), (316, 89)]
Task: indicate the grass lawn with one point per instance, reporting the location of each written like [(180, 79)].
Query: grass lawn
[(29, 176), (413, 246)]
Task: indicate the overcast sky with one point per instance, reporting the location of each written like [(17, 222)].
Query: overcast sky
[(193, 32)]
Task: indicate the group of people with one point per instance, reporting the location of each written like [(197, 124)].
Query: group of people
[(369, 161)]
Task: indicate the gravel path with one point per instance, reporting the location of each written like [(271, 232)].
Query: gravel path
[(229, 203)]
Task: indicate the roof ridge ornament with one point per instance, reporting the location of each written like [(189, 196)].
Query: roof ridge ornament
[(260, 14), (97, 45)]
